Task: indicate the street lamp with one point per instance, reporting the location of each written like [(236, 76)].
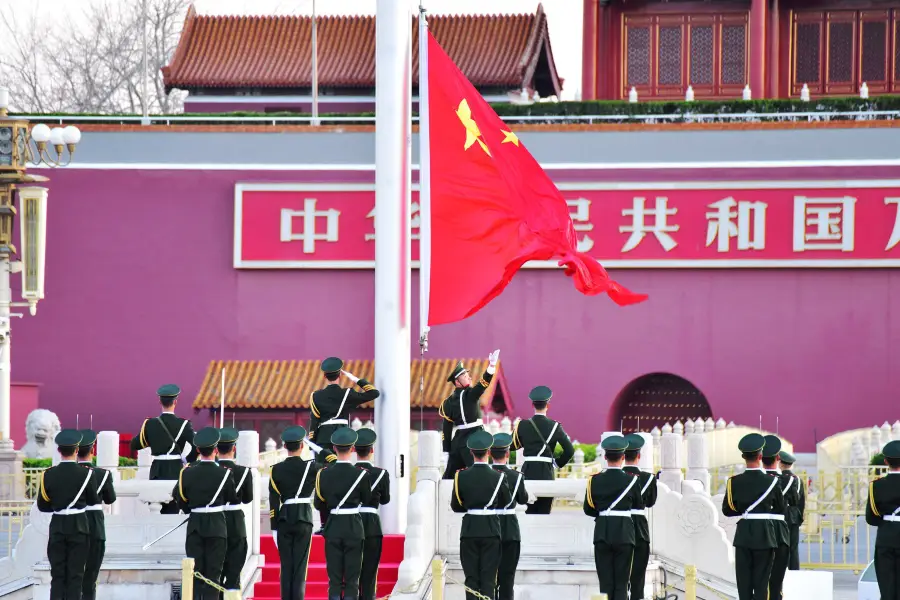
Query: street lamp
[(20, 148)]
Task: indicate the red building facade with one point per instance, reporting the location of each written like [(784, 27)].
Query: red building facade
[(719, 46)]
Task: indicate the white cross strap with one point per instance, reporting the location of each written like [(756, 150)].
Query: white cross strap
[(609, 511), (647, 485), (462, 409), (549, 437), (787, 488), (341, 407), (175, 440), (80, 492), (512, 503), (761, 498), (219, 491), (241, 482), (303, 480), (496, 491), (347, 495), (378, 479)]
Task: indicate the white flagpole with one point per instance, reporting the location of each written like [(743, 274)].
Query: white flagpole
[(315, 68), (424, 183), (222, 410)]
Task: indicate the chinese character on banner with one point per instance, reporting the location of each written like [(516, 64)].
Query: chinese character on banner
[(823, 223), (638, 228), (310, 233), (747, 224), (895, 232), (415, 221), (581, 218)]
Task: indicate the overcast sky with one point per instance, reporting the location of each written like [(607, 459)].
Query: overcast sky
[(564, 17)]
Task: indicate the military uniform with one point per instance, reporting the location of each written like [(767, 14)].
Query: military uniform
[(461, 412), (166, 436), (66, 490), (236, 545), (342, 488), (883, 512), (203, 490), (794, 492), (538, 437), (106, 494), (647, 483), (479, 491), (754, 496), (510, 538), (783, 551), (610, 497), (291, 487), (381, 494)]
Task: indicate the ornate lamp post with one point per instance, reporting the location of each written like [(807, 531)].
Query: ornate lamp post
[(20, 148)]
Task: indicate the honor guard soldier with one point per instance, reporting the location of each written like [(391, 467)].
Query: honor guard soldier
[(647, 482), (883, 512), (342, 488), (106, 494), (538, 437), (203, 490), (291, 487), (66, 490), (783, 550), (753, 496), (330, 410), (462, 413), (166, 436), (479, 491), (610, 497), (510, 538), (381, 494), (795, 498), (236, 546)]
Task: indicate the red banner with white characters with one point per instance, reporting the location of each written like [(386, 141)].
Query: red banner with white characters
[(657, 225)]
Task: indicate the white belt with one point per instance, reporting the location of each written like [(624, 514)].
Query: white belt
[(95, 507), (234, 507), (298, 501), (482, 512), (544, 459), (345, 511), (506, 511), (475, 423), (763, 517), (639, 511), (167, 457), (892, 518), (336, 422), (368, 510), (208, 509), (69, 511), (615, 513)]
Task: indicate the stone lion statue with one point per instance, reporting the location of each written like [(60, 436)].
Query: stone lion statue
[(41, 428)]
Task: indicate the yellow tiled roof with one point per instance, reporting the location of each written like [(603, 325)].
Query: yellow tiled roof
[(287, 384)]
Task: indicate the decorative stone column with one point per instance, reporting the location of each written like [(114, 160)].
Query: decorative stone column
[(108, 458), (270, 445), (12, 475), (429, 456), (895, 430), (670, 451), (144, 460), (247, 455), (698, 459), (655, 435), (578, 463), (646, 462)]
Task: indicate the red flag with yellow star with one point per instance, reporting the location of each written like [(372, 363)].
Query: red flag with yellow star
[(493, 208)]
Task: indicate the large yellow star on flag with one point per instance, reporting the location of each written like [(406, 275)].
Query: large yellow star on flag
[(473, 133), (509, 136)]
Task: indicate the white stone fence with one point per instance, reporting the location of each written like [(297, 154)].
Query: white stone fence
[(854, 448)]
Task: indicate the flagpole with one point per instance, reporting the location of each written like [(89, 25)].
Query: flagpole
[(424, 206), (222, 409), (315, 68)]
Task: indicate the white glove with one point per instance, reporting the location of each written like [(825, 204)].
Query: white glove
[(493, 357), (275, 538), (531, 498), (445, 457), (350, 376)]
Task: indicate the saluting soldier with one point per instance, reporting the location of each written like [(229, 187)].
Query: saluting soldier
[(538, 438), (753, 496), (783, 551), (461, 411), (330, 410), (236, 545), (166, 435), (291, 487), (203, 490), (795, 498), (639, 515), (610, 497), (479, 491), (106, 494), (381, 494), (66, 490), (883, 512), (343, 488), (510, 537)]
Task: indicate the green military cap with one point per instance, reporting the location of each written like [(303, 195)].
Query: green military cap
[(892, 449), (228, 435), (540, 394), (480, 440), (458, 370), (772, 446), (294, 433), (752, 442), (343, 437), (68, 438), (614, 443), (786, 457), (365, 437), (170, 390), (332, 364), (502, 441), (635, 441), (88, 437), (206, 437)]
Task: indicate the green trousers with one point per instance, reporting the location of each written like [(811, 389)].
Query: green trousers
[(96, 550), (639, 569), (480, 558), (343, 560), (67, 554), (368, 577), (294, 542), (506, 573), (779, 568), (209, 557), (613, 563), (752, 570)]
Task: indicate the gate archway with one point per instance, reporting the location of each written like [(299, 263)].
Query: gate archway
[(655, 399)]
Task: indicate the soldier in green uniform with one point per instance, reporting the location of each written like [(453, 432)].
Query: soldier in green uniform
[(291, 487), (783, 551), (795, 498), (342, 488), (538, 437), (479, 491), (236, 545), (610, 497), (754, 496), (66, 490), (510, 538), (203, 490), (166, 435), (330, 410), (883, 512), (381, 494), (639, 515), (461, 412), (106, 494)]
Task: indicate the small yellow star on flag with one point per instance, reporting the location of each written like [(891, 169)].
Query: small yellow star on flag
[(509, 136), (473, 133)]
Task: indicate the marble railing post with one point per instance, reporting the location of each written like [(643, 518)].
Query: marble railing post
[(144, 460), (247, 455), (646, 461), (11, 471), (670, 450), (698, 459), (108, 458), (655, 435)]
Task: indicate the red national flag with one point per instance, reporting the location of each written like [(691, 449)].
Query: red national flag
[(493, 208)]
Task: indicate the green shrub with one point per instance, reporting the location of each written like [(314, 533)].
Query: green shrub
[(44, 463)]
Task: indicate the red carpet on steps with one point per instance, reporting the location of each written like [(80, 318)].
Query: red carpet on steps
[(269, 587)]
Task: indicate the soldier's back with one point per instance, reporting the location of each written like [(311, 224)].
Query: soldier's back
[(605, 492), (342, 485), (478, 488), (201, 487), (742, 491), (293, 478), (886, 492), (62, 484)]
